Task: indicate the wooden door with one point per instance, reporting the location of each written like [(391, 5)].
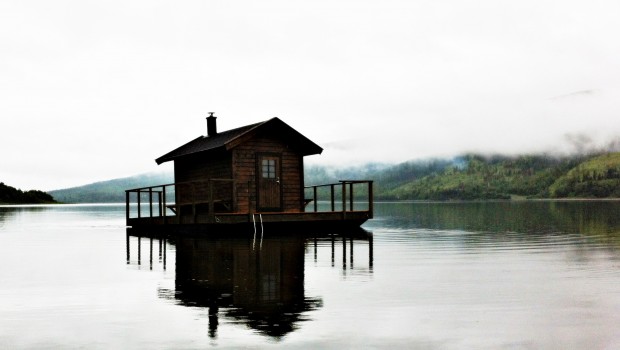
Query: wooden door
[(269, 184)]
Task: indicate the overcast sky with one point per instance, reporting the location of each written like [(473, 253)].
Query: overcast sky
[(95, 90)]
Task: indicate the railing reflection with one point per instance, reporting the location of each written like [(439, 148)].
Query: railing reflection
[(260, 284), (162, 250), (347, 244)]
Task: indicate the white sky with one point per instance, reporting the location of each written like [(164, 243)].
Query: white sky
[(95, 90)]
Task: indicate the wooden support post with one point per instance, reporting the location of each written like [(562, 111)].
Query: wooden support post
[(160, 256), (333, 250), (314, 199), (332, 197), (344, 253), (127, 245), (370, 252), (151, 253), (315, 249), (164, 255), (351, 252), (139, 250)]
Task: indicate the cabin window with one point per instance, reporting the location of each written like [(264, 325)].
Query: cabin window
[(269, 169)]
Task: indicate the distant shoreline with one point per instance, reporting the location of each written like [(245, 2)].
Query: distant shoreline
[(498, 200), (421, 201)]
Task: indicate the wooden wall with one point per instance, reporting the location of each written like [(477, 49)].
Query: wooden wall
[(244, 162), (200, 168), (240, 164)]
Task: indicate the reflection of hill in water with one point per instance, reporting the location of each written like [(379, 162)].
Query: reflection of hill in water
[(9, 212), (524, 217), (256, 283)]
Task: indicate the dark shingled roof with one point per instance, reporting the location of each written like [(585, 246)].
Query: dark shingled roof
[(230, 138)]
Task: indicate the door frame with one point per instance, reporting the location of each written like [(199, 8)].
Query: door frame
[(259, 156)]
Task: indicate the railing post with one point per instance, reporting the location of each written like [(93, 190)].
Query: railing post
[(314, 199), (159, 213), (332, 197), (370, 252), (344, 200), (163, 206), (371, 205), (151, 202), (127, 243), (351, 196), (139, 204), (127, 203)]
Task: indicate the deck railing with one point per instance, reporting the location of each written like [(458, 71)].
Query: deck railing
[(342, 195), (159, 200)]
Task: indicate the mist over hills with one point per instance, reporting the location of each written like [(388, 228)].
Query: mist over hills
[(466, 177)]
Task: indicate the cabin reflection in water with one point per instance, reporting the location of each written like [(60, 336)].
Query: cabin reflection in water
[(252, 281)]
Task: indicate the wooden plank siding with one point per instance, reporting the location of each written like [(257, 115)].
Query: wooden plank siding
[(240, 164), (245, 172), (198, 168)]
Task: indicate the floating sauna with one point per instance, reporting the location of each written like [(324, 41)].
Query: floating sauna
[(248, 177)]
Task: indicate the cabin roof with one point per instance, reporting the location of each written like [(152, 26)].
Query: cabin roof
[(232, 138)]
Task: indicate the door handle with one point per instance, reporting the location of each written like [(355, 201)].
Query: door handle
[(277, 179)]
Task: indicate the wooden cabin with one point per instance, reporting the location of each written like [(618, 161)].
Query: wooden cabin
[(230, 176)]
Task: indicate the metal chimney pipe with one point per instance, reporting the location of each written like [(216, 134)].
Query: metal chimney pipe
[(211, 125)]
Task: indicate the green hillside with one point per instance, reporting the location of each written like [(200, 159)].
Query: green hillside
[(12, 195), (477, 177), (597, 177)]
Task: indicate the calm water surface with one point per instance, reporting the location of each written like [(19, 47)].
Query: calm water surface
[(520, 275)]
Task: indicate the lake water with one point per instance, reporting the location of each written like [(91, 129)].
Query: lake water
[(496, 275)]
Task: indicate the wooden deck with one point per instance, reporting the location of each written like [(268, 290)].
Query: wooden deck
[(259, 222), (147, 208)]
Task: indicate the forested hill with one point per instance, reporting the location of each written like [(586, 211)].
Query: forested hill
[(472, 177), (478, 177), (467, 177), (12, 195)]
